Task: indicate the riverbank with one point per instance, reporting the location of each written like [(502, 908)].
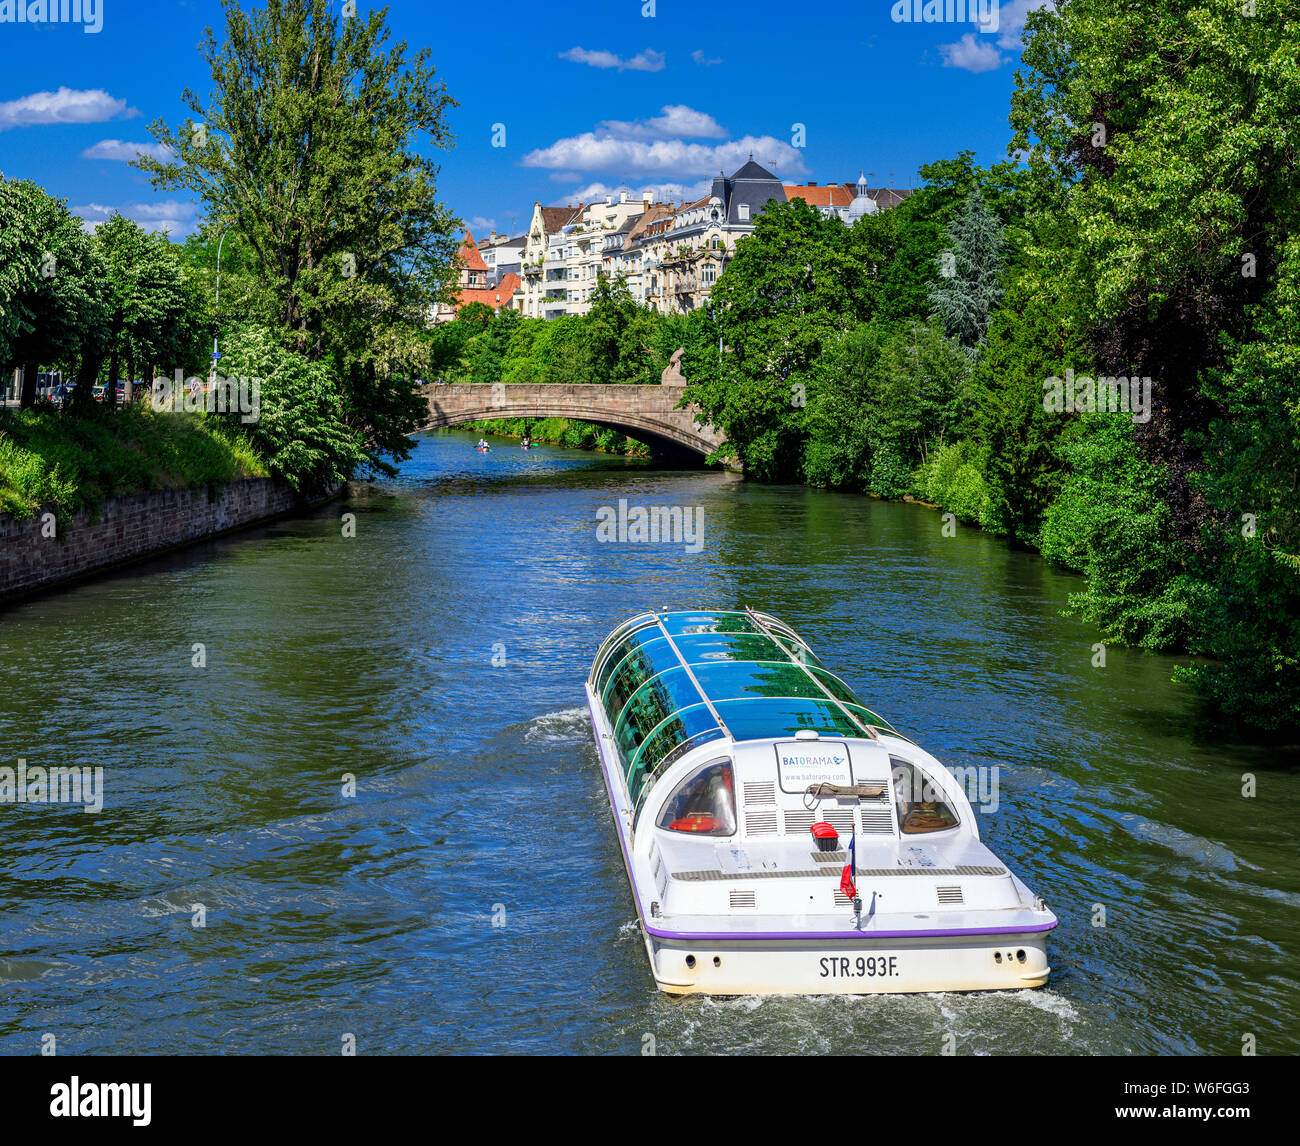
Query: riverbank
[(43, 551), (68, 464)]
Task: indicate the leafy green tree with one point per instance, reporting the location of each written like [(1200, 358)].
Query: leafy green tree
[(1033, 336), (307, 147), (1112, 522), (301, 426), (152, 310), (792, 288), (51, 294)]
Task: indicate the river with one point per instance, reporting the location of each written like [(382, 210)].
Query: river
[(470, 896)]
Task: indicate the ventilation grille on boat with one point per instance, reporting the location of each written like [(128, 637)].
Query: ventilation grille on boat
[(798, 823), (950, 895), (657, 870), (764, 793), (742, 899), (879, 821), (842, 900), (760, 823)]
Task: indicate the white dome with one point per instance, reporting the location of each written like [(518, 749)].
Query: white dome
[(862, 205)]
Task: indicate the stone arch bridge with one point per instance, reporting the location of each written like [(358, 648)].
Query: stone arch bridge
[(647, 413)]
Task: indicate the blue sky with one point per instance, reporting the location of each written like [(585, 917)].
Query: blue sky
[(592, 95)]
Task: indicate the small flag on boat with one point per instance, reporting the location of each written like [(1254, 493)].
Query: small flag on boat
[(846, 880)]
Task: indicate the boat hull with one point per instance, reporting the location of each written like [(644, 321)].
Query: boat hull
[(856, 966)]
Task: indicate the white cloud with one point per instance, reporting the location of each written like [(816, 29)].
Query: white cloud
[(119, 149), (646, 61), (676, 120), (177, 219), (63, 106), (1011, 19), (479, 223), (971, 54), (594, 152), (975, 53), (700, 58)]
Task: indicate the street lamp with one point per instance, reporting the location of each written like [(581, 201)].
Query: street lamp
[(212, 380)]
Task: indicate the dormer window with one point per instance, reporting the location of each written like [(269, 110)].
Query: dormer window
[(742, 212)]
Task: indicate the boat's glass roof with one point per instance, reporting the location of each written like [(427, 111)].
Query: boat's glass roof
[(671, 681)]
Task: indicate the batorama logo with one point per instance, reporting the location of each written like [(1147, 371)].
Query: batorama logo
[(77, 1099)]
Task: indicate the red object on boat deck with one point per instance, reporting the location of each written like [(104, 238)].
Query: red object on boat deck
[(827, 837)]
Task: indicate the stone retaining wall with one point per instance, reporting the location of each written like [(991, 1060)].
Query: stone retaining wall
[(129, 528)]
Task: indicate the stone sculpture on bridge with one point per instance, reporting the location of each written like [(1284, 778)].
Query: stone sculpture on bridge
[(672, 375)]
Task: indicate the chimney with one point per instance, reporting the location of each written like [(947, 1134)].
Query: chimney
[(609, 200), (622, 196), (648, 197), (812, 183)]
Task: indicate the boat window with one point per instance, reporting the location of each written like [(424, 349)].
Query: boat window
[(703, 804), (648, 707), (919, 801), (643, 663), (712, 648), (781, 678), (627, 636), (689, 624), (757, 718), (681, 732)]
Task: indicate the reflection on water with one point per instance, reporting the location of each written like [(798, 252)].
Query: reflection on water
[(438, 658)]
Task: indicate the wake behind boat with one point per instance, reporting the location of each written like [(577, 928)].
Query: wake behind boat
[(779, 837)]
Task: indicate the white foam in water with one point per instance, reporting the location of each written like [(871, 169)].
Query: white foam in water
[(568, 724), (1053, 1004)]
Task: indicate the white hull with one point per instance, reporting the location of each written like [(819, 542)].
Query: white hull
[(829, 967)]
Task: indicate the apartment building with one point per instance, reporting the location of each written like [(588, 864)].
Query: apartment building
[(530, 297), (474, 284), (670, 257), (503, 256)]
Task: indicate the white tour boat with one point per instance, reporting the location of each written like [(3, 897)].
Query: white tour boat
[(779, 837)]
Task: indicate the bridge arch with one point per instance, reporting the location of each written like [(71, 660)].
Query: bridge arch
[(647, 413)]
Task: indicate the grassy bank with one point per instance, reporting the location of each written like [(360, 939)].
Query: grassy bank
[(566, 432), (73, 463)]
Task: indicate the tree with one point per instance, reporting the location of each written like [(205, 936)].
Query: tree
[(792, 288), (301, 426), (306, 148), (970, 270), (51, 294), (151, 309)]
